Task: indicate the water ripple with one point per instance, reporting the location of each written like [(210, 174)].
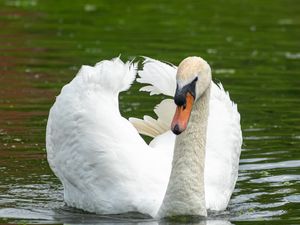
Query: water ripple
[(275, 165), (276, 179)]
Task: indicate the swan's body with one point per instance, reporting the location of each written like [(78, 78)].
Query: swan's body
[(104, 164)]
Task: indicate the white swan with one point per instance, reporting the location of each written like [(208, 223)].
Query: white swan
[(106, 167)]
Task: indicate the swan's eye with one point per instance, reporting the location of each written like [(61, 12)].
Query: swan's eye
[(180, 95)]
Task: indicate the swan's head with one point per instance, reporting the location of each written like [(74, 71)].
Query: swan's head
[(193, 78)]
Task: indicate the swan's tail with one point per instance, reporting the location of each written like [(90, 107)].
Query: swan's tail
[(112, 75)]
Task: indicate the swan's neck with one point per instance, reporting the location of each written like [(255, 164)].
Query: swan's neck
[(185, 192)]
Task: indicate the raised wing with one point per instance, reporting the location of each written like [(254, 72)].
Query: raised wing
[(98, 155), (223, 148)]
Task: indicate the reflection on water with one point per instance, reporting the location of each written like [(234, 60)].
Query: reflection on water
[(252, 46), (73, 217)]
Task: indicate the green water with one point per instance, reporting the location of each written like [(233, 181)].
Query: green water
[(252, 46)]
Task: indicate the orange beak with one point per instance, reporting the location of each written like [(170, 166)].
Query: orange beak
[(182, 115)]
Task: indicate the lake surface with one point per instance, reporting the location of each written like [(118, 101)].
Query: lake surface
[(252, 46)]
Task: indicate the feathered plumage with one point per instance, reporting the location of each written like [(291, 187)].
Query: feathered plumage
[(104, 164)]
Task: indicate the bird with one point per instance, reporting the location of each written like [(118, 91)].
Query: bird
[(106, 167)]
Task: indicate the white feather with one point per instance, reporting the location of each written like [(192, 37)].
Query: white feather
[(160, 75), (151, 127)]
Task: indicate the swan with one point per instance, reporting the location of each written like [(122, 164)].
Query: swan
[(106, 167)]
